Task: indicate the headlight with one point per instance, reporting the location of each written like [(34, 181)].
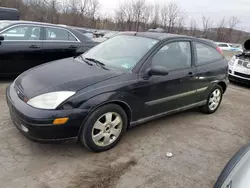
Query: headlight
[(50, 100), (232, 61)]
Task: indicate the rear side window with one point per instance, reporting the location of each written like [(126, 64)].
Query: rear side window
[(59, 35), (206, 53)]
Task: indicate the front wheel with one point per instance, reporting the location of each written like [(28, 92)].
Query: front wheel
[(213, 101), (104, 128)]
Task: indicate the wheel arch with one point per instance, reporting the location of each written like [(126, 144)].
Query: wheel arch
[(122, 104), (223, 85)]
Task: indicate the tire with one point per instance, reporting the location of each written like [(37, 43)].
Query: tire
[(100, 132), (207, 108)]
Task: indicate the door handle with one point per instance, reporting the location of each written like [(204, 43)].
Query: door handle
[(190, 74), (34, 46), (73, 47)]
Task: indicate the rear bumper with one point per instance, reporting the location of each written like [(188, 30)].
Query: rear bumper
[(37, 124)]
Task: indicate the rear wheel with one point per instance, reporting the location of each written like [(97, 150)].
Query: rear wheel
[(104, 128), (213, 101)]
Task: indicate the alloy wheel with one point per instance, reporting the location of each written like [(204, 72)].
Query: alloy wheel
[(107, 129), (214, 99)]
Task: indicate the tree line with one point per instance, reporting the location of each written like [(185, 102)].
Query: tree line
[(131, 15)]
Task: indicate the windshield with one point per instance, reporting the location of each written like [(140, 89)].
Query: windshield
[(121, 51), (4, 24), (222, 45)]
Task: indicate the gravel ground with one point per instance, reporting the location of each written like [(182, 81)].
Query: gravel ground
[(201, 146)]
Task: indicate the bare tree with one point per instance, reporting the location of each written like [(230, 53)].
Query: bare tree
[(138, 9), (84, 7), (193, 27), (207, 24), (181, 21), (93, 11), (220, 34), (130, 15), (120, 17), (164, 16), (64, 6), (239, 37), (146, 15), (128, 9), (232, 22), (37, 11), (156, 16), (53, 16), (173, 14)]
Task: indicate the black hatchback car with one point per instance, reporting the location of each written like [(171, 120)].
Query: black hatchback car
[(24, 45), (127, 80)]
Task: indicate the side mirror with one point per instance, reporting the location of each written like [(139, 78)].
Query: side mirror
[(1, 37), (158, 71)]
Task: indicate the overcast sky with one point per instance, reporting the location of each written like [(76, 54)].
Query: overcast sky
[(216, 9)]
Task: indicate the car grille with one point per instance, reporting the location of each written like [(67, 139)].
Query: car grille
[(244, 63), (240, 62), (20, 94), (242, 75)]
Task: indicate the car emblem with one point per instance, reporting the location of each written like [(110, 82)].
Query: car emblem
[(248, 65), (18, 92)]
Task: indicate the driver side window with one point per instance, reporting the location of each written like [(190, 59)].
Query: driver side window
[(23, 32), (173, 56)]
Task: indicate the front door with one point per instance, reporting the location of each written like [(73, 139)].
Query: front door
[(59, 43), (21, 49), (172, 91)]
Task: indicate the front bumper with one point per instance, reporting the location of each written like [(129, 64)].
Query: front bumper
[(239, 74), (37, 124), (238, 79)]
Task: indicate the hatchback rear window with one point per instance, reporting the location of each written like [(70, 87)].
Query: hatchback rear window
[(206, 53)]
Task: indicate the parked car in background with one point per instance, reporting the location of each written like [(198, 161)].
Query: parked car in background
[(239, 46), (98, 33), (157, 30), (9, 13), (239, 65), (228, 47), (25, 44), (236, 174), (127, 80), (110, 34), (106, 36), (85, 32), (239, 68)]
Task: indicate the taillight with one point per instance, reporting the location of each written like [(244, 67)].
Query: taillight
[(219, 50)]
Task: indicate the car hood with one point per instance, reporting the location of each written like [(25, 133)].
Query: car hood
[(70, 74)]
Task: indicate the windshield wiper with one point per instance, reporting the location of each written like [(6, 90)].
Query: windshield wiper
[(97, 62), (85, 60)]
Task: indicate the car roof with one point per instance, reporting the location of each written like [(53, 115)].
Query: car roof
[(13, 22), (154, 35), (165, 36), (7, 9)]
